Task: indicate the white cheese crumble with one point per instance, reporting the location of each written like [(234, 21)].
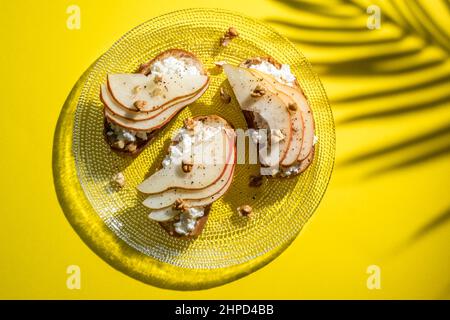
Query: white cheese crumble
[(172, 65), (283, 75), (188, 141), (125, 134), (188, 220)]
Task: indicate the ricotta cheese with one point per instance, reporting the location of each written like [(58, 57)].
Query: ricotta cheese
[(188, 220), (172, 65), (283, 75)]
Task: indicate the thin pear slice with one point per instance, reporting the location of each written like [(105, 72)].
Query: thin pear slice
[(270, 107), (295, 146), (302, 104), (127, 88), (118, 110), (208, 200), (163, 214), (153, 123), (214, 155), (168, 197)]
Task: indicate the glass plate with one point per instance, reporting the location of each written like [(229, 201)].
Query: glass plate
[(114, 223)]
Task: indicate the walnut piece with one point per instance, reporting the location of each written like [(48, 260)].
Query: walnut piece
[(245, 211), (158, 78), (259, 91), (119, 144), (186, 166), (180, 205), (292, 106), (189, 123), (139, 104), (228, 36), (119, 179), (131, 147), (224, 95)]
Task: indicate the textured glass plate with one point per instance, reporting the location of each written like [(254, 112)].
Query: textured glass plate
[(114, 222)]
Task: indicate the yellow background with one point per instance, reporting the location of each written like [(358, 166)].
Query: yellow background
[(380, 211)]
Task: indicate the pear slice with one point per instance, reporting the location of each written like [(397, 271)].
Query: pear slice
[(209, 200), (303, 106), (168, 197), (128, 88), (213, 158), (296, 142), (270, 107), (156, 122), (118, 110), (163, 214)]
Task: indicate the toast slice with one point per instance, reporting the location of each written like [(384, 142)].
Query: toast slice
[(180, 196), (128, 130), (279, 78)]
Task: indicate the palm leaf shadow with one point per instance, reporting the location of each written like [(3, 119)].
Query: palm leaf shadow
[(377, 63)]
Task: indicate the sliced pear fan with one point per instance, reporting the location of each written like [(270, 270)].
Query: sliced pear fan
[(154, 91)]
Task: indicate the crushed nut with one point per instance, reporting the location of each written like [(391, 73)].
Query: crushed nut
[(119, 178), (245, 211), (256, 181), (292, 106), (120, 144), (131, 147), (189, 123), (228, 36), (158, 78), (259, 91), (186, 166), (225, 96), (139, 104), (180, 205), (274, 62), (253, 61), (137, 89)]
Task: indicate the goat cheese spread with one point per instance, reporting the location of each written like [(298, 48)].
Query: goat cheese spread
[(283, 75), (188, 220), (188, 141), (172, 65)]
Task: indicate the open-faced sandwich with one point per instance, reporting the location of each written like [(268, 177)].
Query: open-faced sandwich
[(138, 104), (271, 99), (197, 170)]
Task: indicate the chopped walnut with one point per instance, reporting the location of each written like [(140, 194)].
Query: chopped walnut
[(259, 91), (274, 62), (131, 147), (119, 179), (189, 123), (119, 144), (228, 36), (225, 96), (253, 61), (256, 181), (292, 106), (180, 205), (245, 211), (186, 166), (139, 104), (158, 78)]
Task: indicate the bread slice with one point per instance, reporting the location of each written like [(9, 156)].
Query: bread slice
[(206, 200), (306, 159), (133, 148)]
